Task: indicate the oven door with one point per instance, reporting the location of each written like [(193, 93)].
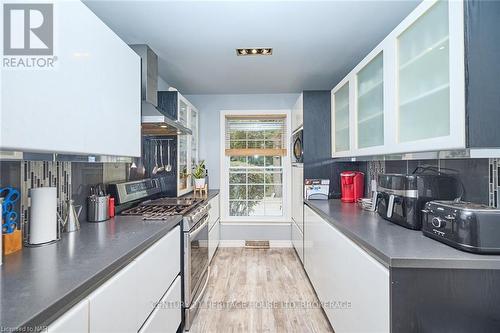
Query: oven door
[(195, 260)]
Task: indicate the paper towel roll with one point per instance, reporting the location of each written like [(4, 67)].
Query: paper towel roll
[(43, 223)]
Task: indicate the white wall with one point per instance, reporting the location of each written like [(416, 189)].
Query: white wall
[(210, 106), (162, 84)]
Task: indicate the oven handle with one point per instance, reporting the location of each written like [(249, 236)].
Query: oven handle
[(195, 232), (202, 292)]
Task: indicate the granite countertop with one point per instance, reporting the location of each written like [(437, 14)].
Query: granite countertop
[(393, 245), (211, 195), (37, 285)]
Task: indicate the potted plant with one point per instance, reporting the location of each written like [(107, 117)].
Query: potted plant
[(199, 174)]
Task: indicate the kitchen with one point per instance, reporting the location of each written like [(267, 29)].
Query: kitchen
[(250, 166)]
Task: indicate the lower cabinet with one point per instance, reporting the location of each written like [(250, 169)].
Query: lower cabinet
[(213, 240), (298, 241), (167, 315), (76, 320), (145, 295), (352, 286)]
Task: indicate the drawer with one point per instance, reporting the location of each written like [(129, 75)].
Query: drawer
[(166, 317), (214, 213), (123, 303), (75, 320), (158, 268), (298, 241)]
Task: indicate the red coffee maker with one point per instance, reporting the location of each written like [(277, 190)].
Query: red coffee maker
[(353, 185)]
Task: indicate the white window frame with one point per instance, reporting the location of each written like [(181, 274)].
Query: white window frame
[(224, 170)]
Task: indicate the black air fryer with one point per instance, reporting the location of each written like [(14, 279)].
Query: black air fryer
[(401, 197)]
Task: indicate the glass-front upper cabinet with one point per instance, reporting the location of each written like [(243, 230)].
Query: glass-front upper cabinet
[(424, 76), (194, 137), (183, 183), (370, 104), (183, 112), (341, 119)]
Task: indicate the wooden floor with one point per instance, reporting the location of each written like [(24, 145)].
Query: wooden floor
[(256, 290)]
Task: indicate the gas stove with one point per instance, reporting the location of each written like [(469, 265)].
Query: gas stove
[(162, 208)]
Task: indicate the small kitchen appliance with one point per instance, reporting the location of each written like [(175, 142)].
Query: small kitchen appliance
[(401, 197), (44, 226), (463, 225), (317, 189), (352, 185)]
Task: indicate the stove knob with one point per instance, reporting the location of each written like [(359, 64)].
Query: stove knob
[(438, 222)]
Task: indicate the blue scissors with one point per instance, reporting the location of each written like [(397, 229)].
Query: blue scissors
[(10, 223)]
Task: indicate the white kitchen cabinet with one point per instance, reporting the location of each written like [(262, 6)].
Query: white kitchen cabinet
[(136, 288), (408, 94), (298, 241), (213, 240), (88, 103), (213, 226), (298, 113), (76, 320), (344, 276), (166, 317), (298, 195)]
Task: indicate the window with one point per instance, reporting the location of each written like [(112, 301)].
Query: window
[(255, 147)]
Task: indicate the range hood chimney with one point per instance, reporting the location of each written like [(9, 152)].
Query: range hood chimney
[(154, 122)]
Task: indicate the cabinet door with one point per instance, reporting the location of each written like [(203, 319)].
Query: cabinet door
[(93, 90), (341, 120), (183, 112), (166, 317), (298, 113), (298, 196), (430, 89), (298, 241), (183, 173), (370, 104), (214, 213), (195, 136), (213, 240), (76, 320)]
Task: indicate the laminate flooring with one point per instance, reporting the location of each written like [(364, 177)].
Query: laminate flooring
[(259, 290)]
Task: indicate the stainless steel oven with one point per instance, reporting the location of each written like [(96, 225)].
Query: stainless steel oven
[(196, 270)]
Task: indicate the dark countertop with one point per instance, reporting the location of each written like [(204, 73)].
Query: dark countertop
[(211, 195), (37, 285), (393, 245)]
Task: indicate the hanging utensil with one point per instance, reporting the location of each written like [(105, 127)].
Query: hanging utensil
[(161, 166), (155, 169), (168, 168)]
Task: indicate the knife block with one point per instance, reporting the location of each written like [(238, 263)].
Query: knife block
[(12, 242)]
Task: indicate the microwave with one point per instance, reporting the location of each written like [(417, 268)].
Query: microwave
[(298, 146)]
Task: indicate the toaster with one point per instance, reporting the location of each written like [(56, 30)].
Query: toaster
[(463, 225), (401, 197)]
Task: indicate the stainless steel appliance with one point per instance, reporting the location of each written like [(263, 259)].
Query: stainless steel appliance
[(463, 225), (401, 197), (144, 198), (298, 146)]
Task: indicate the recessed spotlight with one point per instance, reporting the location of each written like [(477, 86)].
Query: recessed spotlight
[(254, 51)]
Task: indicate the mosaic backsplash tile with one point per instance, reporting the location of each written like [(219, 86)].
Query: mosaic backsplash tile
[(44, 174)]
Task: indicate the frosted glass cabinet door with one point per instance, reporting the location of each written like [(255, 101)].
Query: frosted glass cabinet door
[(184, 171), (194, 136), (370, 104), (341, 119), (183, 112), (424, 78)]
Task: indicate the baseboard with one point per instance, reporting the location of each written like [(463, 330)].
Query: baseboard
[(241, 243)]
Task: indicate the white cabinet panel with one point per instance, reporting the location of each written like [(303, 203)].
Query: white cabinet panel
[(298, 113), (213, 240), (298, 196), (159, 265), (123, 303), (89, 103), (298, 241), (166, 317), (214, 212), (346, 277), (341, 119), (76, 320)]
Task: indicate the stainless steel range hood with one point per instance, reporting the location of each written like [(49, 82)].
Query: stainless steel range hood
[(154, 122)]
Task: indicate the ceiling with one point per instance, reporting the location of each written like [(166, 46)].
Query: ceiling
[(315, 43)]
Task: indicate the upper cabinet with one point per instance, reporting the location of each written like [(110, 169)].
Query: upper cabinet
[(298, 113), (89, 102), (409, 93)]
